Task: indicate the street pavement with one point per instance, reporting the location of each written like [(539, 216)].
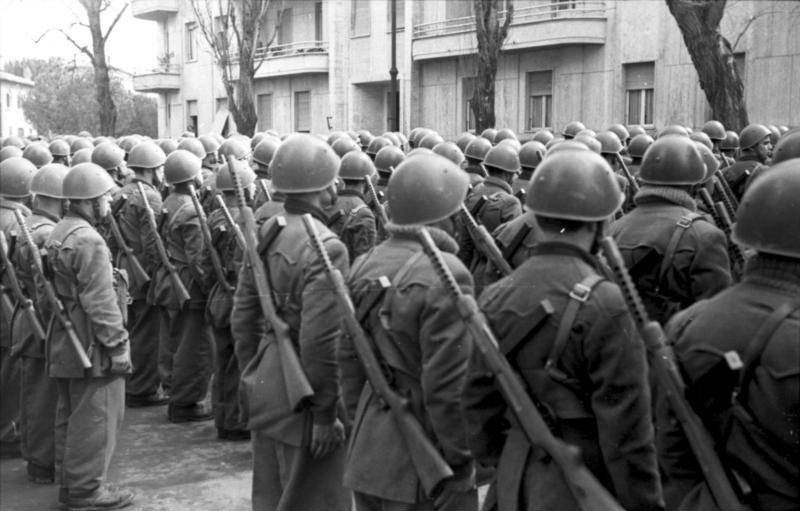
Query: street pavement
[(171, 467)]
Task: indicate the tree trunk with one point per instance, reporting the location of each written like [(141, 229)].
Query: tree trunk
[(244, 113), (107, 110), (490, 35), (713, 60)]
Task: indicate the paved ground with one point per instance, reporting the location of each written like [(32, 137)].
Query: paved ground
[(171, 467)]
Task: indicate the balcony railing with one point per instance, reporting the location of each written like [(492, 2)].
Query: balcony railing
[(159, 78), (547, 11), (287, 50)]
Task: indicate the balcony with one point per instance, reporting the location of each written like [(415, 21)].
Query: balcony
[(304, 57), (154, 10), (553, 23), (161, 79)]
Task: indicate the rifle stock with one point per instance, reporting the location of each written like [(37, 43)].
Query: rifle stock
[(726, 194), (631, 180), (298, 387), (240, 242), (587, 491), (485, 244), (139, 276), (212, 251), (723, 221), (380, 211), (431, 468), (262, 184), (50, 293), (662, 361), (175, 279), (25, 303)]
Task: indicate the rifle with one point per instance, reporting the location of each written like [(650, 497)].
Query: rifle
[(662, 360), (177, 283), (520, 195), (431, 468), (25, 303), (485, 244), (478, 206), (726, 194), (587, 491), (240, 242), (723, 221), (50, 294), (380, 211), (297, 385), (262, 184), (627, 173), (137, 271), (212, 251), (511, 249)]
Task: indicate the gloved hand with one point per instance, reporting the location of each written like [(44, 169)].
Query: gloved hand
[(458, 493), (325, 438), (121, 364)]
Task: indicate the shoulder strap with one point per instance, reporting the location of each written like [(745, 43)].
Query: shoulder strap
[(578, 296), (681, 225)]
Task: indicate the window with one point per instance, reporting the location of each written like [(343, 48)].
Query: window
[(401, 14), (285, 30), (264, 104), (302, 111), (467, 90), (639, 88), (318, 21), (8, 100), (191, 116), (458, 9), (359, 18), (540, 99), (191, 41)]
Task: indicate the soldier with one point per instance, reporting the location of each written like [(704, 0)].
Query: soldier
[(530, 155), (355, 222), (584, 365), (225, 391), (421, 340), (39, 394), (91, 403), (788, 147), (572, 129), (376, 145), (9, 151), (109, 156), (475, 153), (387, 159), (756, 148), (299, 458), (674, 254), (262, 156), (187, 333), (716, 132), (464, 139), (738, 352), (638, 146), (730, 146), (38, 154), (502, 166), (146, 160), (210, 159), (431, 140)]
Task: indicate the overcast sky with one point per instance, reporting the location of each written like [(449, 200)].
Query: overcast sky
[(131, 46)]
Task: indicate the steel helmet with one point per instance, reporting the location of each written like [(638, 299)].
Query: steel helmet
[(752, 134), (556, 141), (127, 143), (223, 181), (572, 129), (38, 154), (364, 138), (167, 145), (377, 144), (345, 145), (788, 147), (234, 146), (70, 138), (715, 130), (388, 159), (356, 165), (543, 136), (450, 151), (511, 142), (210, 144), (86, 181), (672, 160), (402, 138), (419, 150), (10, 151), (574, 185), (673, 129), (586, 132), (84, 134), (702, 138), (567, 145), (464, 139), (265, 150), (426, 188), (194, 146), (336, 135), (639, 145), (767, 216), (14, 141), (620, 131), (531, 154), (82, 156), (257, 138), (352, 134), (146, 155), (181, 166), (15, 177), (636, 129), (303, 163), (392, 138), (413, 134), (489, 134), (775, 134), (80, 143), (477, 149), (505, 134), (610, 143), (59, 147), (589, 141), (431, 140), (709, 158), (49, 181), (731, 141), (108, 155), (502, 157), (99, 140)]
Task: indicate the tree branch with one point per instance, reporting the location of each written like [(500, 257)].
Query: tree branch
[(114, 23), (77, 45)]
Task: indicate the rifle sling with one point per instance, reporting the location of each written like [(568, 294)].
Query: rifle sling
[(526, 329), (681, 226), (511, 249)]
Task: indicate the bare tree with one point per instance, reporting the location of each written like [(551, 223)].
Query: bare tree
[(712, 55), (107, 110), (491, 32), (233, 30)]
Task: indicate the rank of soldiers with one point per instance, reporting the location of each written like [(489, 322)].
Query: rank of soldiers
[(581, 320)]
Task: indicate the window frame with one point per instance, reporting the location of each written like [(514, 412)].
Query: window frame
[(190, 42), (295, 111), (644, 88), (261, 122), (547, 101), (354, 17)]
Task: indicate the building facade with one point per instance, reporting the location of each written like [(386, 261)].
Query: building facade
[(598, 61), (13, 90)]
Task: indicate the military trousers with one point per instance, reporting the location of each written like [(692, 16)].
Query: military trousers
[(88, 420), (286, 477), (192, 363), (225, 391), (9, 401), (144, 323), (38, 402), (366, 502)]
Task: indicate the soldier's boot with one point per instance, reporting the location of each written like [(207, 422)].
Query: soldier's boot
[(102, 499)]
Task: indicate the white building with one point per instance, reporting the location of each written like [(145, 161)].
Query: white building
[(593, 60), (13, 90)]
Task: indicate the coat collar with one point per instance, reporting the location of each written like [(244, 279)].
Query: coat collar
[(655, 194)]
